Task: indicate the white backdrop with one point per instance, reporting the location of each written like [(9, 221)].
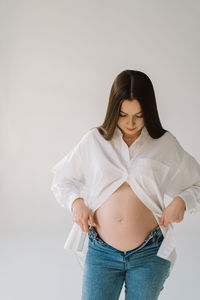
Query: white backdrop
[(57, 64)]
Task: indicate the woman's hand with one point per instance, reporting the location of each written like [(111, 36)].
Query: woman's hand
[(174, 212), (81, 214)]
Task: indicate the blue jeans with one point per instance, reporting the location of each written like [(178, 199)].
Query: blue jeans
[(106, 269)]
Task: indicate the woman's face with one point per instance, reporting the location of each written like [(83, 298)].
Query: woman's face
[(131, 117)]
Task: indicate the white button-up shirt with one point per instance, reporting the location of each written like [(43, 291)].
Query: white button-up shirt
[(95, 168)]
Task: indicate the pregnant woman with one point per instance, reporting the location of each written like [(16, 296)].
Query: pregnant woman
[(127, 165)]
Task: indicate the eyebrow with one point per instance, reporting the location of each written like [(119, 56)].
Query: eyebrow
[(127, 114)]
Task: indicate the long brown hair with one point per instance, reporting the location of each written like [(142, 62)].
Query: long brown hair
[(130, 85)]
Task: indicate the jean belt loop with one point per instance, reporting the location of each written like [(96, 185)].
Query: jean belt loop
[(95, 233), (156, 238)]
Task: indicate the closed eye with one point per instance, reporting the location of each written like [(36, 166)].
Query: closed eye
[(141, 116)]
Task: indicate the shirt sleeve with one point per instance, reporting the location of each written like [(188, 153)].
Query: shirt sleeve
[(185, 179), (68, 180)]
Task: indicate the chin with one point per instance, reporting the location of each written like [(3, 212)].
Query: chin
[(133, 132)]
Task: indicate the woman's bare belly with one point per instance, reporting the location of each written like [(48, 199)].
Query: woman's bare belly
[(123, 221)]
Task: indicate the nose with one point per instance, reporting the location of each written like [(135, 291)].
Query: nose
[(131, 123)]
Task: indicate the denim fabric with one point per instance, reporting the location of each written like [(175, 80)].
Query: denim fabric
[(140, 269)]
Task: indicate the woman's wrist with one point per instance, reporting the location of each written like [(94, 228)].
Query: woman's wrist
[(179, 199)]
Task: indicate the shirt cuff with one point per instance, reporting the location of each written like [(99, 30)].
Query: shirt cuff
[(189, 201)]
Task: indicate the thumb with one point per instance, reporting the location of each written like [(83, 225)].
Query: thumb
[(91, 220)]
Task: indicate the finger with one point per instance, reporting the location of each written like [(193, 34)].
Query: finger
[(166, 223), (85, 227), (91, 220)]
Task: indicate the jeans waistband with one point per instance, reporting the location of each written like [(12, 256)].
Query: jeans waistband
[(155, 234)]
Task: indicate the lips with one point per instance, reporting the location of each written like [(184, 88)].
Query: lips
[(130, 128)]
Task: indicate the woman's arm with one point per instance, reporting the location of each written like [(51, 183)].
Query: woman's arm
[(68, 181), (185, 179)]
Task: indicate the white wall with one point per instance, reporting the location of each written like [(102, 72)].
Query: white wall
[(57, 64)]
